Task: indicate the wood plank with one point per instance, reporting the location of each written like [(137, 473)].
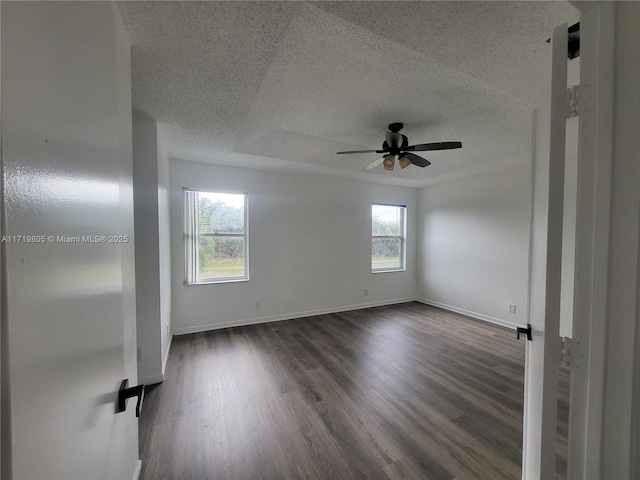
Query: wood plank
[(402, 391)]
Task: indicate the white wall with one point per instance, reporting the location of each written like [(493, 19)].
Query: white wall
[(164, 247), (66, 146), (153, 301), (621, 409), (473, 251), (309, 242), (145, 183)]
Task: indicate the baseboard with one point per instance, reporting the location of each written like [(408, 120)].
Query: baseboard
[(151, 380), (166, 356), (136, 473), (288, 316), (469, 313)]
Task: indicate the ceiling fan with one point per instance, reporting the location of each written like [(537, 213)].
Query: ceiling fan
[(396, 146)]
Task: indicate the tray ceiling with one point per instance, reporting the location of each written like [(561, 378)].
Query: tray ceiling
[(285, 85)]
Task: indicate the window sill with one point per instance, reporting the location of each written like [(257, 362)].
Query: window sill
[(390, 270), (221, 280)]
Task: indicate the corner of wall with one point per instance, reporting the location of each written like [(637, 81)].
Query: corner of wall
[(164, 244), (473, 248), (138, 470), (166, 356), (147, 262), (469, 313)]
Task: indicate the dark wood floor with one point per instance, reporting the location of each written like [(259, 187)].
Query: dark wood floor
[(404, 391), (562, 435)]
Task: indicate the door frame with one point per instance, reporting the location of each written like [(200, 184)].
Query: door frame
[(595, 152), (542, 355), (591, 277)]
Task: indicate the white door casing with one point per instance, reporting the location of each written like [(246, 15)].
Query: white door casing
[(543, 352), (595, 115)]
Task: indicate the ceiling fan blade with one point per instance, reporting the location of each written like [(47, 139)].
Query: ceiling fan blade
[(361, 151), (433, 146), (394, 140), (416, 160), (374, 164)]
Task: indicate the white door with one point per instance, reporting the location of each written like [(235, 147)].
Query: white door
[(69, 288), (543, 352)]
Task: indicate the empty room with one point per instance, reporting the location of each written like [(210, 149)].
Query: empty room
[(324, 240)]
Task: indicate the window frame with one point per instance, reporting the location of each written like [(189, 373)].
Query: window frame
[(402, 237), (191, 279)]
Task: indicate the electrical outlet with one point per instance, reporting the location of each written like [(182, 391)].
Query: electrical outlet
[(257, 303), (512, 308), (168, 330), (139, 354), (366, 292)]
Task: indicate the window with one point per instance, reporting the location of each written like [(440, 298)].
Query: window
[(215, 234), (388, 232)]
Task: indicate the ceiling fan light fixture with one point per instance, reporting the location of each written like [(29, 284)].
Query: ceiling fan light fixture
[(404, 161), (396, 147), (389, 162)]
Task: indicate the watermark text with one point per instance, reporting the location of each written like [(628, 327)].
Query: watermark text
[(64, 239)]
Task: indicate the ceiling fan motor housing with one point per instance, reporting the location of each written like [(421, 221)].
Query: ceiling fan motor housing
[(395, 127), (403, 145)]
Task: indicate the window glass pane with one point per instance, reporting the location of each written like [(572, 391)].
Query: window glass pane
[(221, 257), (385, 253), (220, 212), (386, 220)]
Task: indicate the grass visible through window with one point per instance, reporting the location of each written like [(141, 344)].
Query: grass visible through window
[(222, 268), (385, 262)]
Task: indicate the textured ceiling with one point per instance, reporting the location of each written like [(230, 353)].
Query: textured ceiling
[(285, 85)]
